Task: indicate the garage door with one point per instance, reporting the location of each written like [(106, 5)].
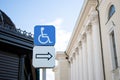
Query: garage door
[(9, 66)]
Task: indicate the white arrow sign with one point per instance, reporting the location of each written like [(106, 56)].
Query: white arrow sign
[(44, 56), (47, 56)]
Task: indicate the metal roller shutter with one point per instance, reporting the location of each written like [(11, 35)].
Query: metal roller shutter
[(9, 65)]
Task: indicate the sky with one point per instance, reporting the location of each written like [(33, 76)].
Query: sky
[(63, 14)]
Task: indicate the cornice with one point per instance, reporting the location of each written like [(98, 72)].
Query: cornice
[(88, 4), (15, 38), (60, 55)]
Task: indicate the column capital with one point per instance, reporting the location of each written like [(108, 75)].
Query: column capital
[(74, 55), (71, 60), (84, 37), (94, 17), (80, 44), (79, 47), (89, 28), (76, 50)]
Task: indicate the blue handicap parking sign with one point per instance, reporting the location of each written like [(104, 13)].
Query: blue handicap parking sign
[(44, 35)]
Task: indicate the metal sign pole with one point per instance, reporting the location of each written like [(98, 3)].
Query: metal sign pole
[(44, 73)]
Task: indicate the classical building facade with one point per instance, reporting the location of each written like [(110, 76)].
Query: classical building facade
[(93, 51)]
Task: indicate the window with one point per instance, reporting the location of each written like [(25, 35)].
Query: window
[(111, 11), (113, 51)]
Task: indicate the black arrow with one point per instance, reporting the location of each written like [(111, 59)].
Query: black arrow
[(44, 56)]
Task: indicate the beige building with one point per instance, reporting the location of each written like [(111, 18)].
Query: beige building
[(93, 51)]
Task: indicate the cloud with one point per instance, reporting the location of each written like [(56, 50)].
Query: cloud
[(62, 35), (57, 23), (62, 38)]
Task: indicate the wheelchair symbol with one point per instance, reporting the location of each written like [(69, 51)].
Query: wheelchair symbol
[(43, 36)]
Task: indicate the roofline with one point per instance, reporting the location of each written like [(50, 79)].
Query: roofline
[(80, 21)]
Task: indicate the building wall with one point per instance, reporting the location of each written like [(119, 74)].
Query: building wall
[(109, 25), (62, 69)]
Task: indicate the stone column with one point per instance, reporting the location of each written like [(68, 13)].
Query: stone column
[(90, 53), (77, 64), (80, 62), (97, 49), (71, 64), (84, 52), (74, 67)]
